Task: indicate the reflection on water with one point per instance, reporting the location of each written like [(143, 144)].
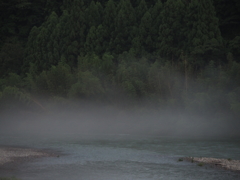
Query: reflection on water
[(122, 157)]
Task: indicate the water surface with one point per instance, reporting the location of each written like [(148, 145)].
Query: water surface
[(122, 157)]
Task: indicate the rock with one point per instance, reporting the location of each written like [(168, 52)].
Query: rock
[(9, 154), (233, 165)]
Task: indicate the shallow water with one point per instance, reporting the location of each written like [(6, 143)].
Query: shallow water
[(122, 157)]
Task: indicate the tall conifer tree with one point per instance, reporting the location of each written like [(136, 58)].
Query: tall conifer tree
[(40, 48), (156, 16), (109, 17), (171, 30), (94, 14), (143, 41), (145, 32), (77, 34), (204, 36), (125, 24), (141, 9)]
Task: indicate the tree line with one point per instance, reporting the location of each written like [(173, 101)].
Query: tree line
[(173, 53)]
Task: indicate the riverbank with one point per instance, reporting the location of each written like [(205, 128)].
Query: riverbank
[(229, 164), (16, 154)]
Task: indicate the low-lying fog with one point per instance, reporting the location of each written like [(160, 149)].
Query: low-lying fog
[(103, 119)]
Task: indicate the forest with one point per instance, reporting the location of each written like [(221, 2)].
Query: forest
[(178, 54)]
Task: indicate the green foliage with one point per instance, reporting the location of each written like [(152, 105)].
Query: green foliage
[(41, 47), (180, 159), (234, 47), (56, 81), (40, 85), (172, 29), (11, 57), (109, 16), (59, 79), (200, 164), (87, 86), (204, 36), (125, 30), (107, 63), (141, 9), (132, 74), (94, 14), (156, 21), (94, 40), (13, 97), (58, 37), (12, 80), (89, 62), (145, 33)]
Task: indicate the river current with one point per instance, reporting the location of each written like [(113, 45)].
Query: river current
[(122, 157)]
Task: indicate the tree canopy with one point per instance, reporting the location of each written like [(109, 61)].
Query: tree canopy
[(170, 52)]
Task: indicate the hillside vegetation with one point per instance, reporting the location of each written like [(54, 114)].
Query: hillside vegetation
[(180, 54)]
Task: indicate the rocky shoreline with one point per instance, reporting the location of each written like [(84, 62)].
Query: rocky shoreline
[(228, 164), (16, 154), (10, 155)]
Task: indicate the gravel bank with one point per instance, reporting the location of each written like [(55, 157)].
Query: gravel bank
[(12, 154), (228, 164)]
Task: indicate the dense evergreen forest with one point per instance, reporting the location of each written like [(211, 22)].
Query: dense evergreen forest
[(180, 54)]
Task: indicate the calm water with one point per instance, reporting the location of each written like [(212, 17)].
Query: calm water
[(122, 157)]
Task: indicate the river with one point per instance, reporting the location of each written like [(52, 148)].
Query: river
[(122, 157)]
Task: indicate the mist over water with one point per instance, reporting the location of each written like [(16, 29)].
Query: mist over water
[(102, 142), (102, 119)]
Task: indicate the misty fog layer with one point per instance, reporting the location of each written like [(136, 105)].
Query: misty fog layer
[(109, 120)]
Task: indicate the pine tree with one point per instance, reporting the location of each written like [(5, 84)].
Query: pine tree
[(94, 14), (109, 17), (142, 41), (145, 32), (11, 58), (100, 9), (156, 15), (125, 24), (78, 22), (95, 42), (141, 9), (62, 32), (30, 54), (75, 32), (101, 44), (171, 30), (90, 62), (90, 43), (40, 46), (234, 48), (57, 38), (204, 37)]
